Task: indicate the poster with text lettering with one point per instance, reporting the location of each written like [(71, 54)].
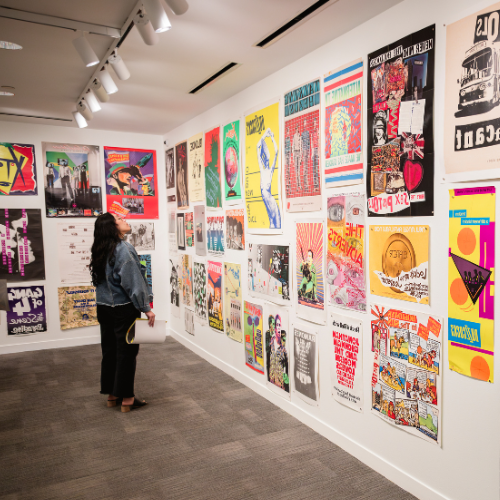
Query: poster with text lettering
[(302, 142), (231, 154), (406, 377), (17, 169), (181, 175), (214, 296), (170, 174), (175, 286), (196, 172), (471, 282), (27, 313), (262, 171), (400, 170), (233, 305), (215, 235), (77, 307), (74, 243), (187, 280), (213, 188), (305, 364), (254, 342)]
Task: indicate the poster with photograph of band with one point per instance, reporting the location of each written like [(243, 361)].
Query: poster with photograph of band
[(343, 157), (172, 222), (215, 235), (254, 342), (400, 176), (235, 229), (213, 188), (276, 325), (72, 180), (231, 156), (269, 272), (199, 230), (27, 313), (77, 307), (17, 169), (21, 241), (302, 174), (305, 363), (406, 379), (200, 291), (187, 280), (214, 296), (175, 280), (131, 181), (74, 242), (345, 267), (196, 171), (170, 172), (233, 301), (141, 235), (181, 235), (181, 175)]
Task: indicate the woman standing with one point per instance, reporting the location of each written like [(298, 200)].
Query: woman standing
[(122, 293)]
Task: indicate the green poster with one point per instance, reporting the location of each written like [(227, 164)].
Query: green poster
[(232, 163)]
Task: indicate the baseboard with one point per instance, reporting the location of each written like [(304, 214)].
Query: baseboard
[(365, 455), (39, 345)]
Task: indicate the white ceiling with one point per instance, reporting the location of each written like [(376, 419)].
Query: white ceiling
[(49, 76)]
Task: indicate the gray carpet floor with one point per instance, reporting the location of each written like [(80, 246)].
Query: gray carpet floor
[(203, 436)]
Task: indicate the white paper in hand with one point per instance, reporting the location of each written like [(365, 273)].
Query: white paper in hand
[(145, 334)]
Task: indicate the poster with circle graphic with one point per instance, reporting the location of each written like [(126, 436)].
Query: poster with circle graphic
[(232, 163)]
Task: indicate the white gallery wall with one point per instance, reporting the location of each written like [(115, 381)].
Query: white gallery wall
[(466, 467)]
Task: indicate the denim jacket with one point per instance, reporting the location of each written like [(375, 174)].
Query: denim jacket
[(125, 281)]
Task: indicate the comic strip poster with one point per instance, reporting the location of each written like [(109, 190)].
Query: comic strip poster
[(233, 301), (262, 171), (21, 241), (400, 170), (471, 282), (17, 169), (145, 260), (310, 283), (72, 180), (189, 227), (199, 230), (232, 163), (200, 292), (276, 324), (213, 188), (345, 268), (235, 229), (189, 321), (170, 172), (472, 94), (131, 181), (172, 222), (77, 307), (254, 348), (269, 272), (181, 175), (302, 142), (343, 90), (27, 313), (181, 235), (346, 360), (187, 280), (175, 280), (406, 382), (215, 235), (214, 296), (74, 243), (195, 168), (141, 235), (399, 262), (305, 364)]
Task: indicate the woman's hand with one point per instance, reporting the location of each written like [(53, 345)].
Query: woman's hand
[(151, 317)]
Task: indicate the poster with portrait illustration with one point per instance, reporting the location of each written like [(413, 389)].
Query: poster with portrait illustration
[(231, 159), (213, 190), (400, 173), (200, 244), (17, 169), (233, 302), (170, 172), (175, 280), (27, 313), (196, 171), (77, 307), (214, 296), (305, 365), (235, 229), (181, 175), (200, 291), (253, 333)]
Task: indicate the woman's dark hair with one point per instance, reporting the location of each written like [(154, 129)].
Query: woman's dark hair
[(106, 237)]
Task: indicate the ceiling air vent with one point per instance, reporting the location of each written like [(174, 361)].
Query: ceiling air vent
[(293, 23), (34, 116), (223, 71)]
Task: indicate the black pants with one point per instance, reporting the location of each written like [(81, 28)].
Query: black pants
[(118, 357)]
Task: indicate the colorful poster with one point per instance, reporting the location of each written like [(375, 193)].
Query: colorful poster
[(232, 163), (262, 171), (170, 172), (175, 280), (172, 222), (343, 89), (346, 361), (189, 227), (472, 93), (142, 235), (77, 307), (181, 235), (145, 260), (21, 242), (305, 364), (471, 282), (406, 382), (302, 143), (131, 181), (254, 349), (187, 280), (199, 230), (214, 300), (400, 177), (399, 262), (215, 235), (18, 169), (276, 349), (235, 229), (345, 268), (309, 271), (232, 301), (72, 180), (195, 168), (269, 272), (189, 321), (74, 242), (200, 292), (212, 169), (181, 175), (27, 313)]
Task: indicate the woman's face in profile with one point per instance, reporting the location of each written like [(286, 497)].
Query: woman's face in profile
[(16, 237)]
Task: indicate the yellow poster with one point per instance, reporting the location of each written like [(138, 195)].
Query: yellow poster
[(196, 171), (471, 282), (232, 301), (262, 171), (399, 262)]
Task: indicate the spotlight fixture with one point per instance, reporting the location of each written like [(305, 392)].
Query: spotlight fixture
[(99, 91), (9, 45), (118, 65), (7, 91), (80, 120), (107, 82), (92, 102), (145, 28), (178, 7), (85, 51), (157, 14), (84, 110)]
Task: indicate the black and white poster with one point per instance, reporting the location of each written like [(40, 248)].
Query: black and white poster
[(170, 171), (305, 364), (181, 235), (175, 287), (141, 235), (199, 231), (200, 292), (189, 321)]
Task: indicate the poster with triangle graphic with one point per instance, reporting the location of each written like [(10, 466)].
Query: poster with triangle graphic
[(471, 285)]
